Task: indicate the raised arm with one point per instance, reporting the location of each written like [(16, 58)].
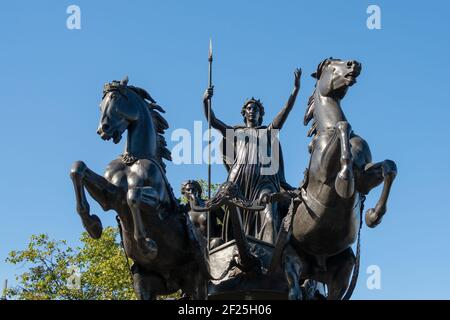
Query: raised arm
[(281, 117), (215, 123)]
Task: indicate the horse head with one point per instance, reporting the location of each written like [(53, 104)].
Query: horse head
[(335, 76), (121, 106), (116, 111)]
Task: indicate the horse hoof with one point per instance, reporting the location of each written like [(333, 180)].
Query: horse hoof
[(372, 218), (148, 247), (93, 226), (345, 184)]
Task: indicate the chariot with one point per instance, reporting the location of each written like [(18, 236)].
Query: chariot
[(246, 267)]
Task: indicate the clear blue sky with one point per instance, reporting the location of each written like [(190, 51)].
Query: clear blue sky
[(52, 77)]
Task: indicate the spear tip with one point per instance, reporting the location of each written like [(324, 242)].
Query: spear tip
[(210, 49)]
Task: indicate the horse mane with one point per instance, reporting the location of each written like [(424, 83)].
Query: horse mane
[(309, 114), (160, 123)]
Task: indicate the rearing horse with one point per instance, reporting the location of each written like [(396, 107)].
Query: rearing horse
[(339, 176), (167, 251)]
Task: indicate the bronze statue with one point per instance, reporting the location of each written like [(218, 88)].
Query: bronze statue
[(245, 169), (158, 236), (272, 241), (339, 176)]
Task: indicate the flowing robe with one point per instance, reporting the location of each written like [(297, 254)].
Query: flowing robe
[(257, 168)]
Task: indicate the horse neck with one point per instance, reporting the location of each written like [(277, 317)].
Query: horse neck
[(141, 139), (327, 110)]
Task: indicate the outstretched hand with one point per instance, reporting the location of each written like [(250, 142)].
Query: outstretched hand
[(297, 76)]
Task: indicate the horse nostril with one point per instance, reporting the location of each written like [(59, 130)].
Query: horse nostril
[(350, 63), (105, 127)]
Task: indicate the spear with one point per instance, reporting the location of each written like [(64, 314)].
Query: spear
[(210, 60)]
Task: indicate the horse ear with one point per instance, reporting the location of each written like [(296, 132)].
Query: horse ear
[(320, 67), (124, 81)]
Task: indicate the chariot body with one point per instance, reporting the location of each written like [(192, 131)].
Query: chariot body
[(245, 267)]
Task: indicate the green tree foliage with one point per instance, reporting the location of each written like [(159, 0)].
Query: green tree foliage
[(103, 270), (204, 184), (104, 274)]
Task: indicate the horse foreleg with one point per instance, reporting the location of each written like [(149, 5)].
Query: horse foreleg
[(140, 200), (386, 172), (91, 223), (104, 192), (345, 181)]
